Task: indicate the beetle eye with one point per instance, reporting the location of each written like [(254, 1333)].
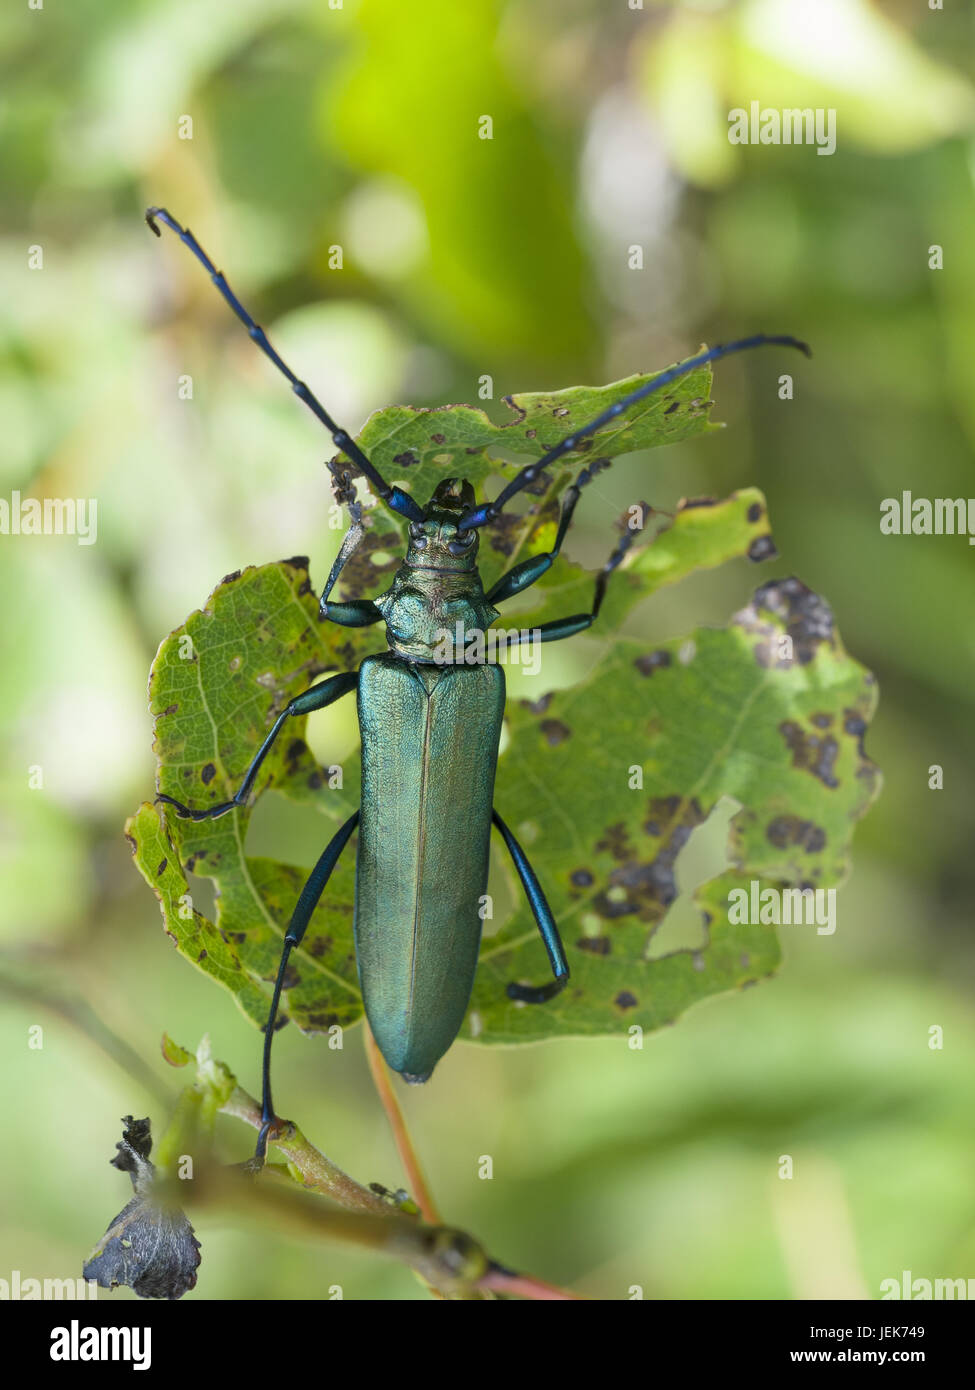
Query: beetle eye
[(462, 542)]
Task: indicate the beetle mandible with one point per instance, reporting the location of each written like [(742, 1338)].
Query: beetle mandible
[(430, 732)]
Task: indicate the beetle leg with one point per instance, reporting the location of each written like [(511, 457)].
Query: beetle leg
[(318, 697), (305, 906), (529, 571), (558, 628), (356, 612), (536, 994)]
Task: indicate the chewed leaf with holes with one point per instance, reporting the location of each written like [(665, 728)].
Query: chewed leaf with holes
[(216, 685), (733, 712), (607, 782), (419, 447)]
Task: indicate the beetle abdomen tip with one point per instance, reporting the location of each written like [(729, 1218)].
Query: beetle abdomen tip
[(414, 1078)]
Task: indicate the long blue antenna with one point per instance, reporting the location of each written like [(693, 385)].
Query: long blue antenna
[(487, 511), (394, 497)]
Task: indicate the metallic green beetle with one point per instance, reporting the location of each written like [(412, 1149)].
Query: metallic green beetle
[(430, 722)]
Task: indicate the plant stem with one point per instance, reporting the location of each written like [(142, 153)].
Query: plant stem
[(316, 1171), (415, 1176)]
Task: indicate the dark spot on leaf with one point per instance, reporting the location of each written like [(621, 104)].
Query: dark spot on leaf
[(208, 773), (663, 809), (650, 888), (822, 720), (438, 438), (596, 945), (291, 976), (322, 1020), (791, 830), (320, 946), (541, 485), (625, 1000), (687, 503), (303, 588), (229, 578), (762, 548), (581, 878), (560, 410), (652, 661), (755, 511), (297, 562), (161, 867), (133, 843), (538, 706), (315, 780), (812, 754), (294, 750), (555, 731), (807, 618), (202, 955), (530, 434), (170, 709), (615, 841), (671, 408), (505, 531), (407, 458)]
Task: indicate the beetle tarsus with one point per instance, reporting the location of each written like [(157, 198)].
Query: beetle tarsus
[(187, 812), (537, 994)]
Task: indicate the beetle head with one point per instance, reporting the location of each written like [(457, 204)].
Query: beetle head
[(435, 543)]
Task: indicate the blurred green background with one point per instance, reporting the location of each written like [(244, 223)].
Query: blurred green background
[(315, 127)]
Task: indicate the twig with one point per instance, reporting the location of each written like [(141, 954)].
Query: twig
[(316, 1171), (523, 1286), (450, 1261)]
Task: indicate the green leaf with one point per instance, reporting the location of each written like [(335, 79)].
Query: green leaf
[(723, 713), (419, 447), (717, 714)]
